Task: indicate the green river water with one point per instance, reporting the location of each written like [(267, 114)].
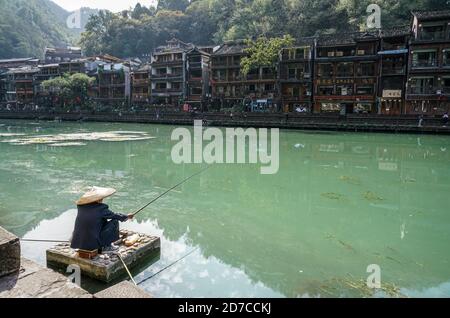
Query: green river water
[(340, 202)]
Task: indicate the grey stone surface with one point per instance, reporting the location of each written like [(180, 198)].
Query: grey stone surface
[(124, 289), (35, 281), (106, 267), (9, 253)]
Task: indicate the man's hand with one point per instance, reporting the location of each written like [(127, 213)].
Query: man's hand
[(130, 216)]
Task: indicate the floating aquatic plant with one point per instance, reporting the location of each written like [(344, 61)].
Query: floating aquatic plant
[(350, 180), (332, 196), (70, 139), (372, 197)]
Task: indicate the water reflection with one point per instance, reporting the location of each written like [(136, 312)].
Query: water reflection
[(339, 203)]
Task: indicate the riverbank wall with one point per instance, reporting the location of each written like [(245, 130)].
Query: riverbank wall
[(354, 123)]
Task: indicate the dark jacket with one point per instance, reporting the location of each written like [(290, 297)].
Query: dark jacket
[(90, 221)]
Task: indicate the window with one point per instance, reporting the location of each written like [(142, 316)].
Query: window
[(431, 32), (325, 90), (252, 87), (446, 85), (345, 70), (446, 57), (424, 58), (422, 85), (366, 69), (195, 59), (196, 73), (196, 91), (292, 73), (325, 70), (161, 71), (268, 87), (161, 86)]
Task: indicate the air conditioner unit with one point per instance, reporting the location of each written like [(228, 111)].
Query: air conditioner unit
[(360, 52), (330, 54), (339, 53)]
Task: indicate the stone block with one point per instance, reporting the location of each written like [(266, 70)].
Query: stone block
[(9, 253)]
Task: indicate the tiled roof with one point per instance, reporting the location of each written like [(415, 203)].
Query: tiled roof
[(346, 38), (229, 48), (431, 15), (403, 30)]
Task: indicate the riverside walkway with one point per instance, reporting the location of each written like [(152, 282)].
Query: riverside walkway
[(336, 122)]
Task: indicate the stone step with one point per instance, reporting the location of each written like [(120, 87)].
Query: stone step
[(9, 253), (124, 289), (35, 281)]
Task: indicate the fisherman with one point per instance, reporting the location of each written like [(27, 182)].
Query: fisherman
[(96, 227)]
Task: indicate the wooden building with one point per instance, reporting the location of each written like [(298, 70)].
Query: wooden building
[(58, 55), (197, 78), (345, 69), (428, 87), (230, 88), (392, 70), (19, 85), (140, 85), (46, 72), (295, 76), (168, 73)]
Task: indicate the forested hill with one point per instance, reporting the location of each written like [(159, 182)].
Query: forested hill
[(139, 31), (28, 26)]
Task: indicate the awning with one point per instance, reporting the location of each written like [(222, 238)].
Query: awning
[(393, 52)]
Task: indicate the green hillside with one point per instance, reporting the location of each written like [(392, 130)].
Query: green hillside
[(28, 26)]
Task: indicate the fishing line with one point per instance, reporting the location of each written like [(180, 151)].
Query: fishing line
[(163, 194), (126, 268), (168, 266)]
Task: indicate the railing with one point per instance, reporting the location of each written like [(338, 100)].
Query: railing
[(393, 71), (422, 90), (424, 63)]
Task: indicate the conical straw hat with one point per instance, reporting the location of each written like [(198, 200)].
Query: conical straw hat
[(95, 194)]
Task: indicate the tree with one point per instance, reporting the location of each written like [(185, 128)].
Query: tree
[(69, 88), (174, 5), (264, 52)]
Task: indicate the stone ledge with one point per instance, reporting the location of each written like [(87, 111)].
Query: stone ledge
[(35, 281), (124, 289), (9, 253)]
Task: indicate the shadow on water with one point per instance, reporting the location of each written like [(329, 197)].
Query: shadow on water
[(94, 286)]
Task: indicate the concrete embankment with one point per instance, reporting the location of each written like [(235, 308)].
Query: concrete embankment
[(335, 122)]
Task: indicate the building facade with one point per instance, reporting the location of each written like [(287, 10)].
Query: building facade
[(428, 85), (58, 55), (257, 91), (345, 69), (168, 73), (393, 55), (198, 92), (296, 76), (140, 85)]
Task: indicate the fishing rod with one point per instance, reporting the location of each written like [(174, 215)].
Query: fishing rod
[(167, 267), (163, 194), (43, 241)]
